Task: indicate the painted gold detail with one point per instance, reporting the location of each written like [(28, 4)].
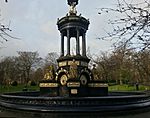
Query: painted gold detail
[(73, 84), (48, 84), (72, 62), (74, 91), (63, 79), (64, 63)]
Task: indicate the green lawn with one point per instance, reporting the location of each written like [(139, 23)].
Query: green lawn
[(5, 89), (128, 88)]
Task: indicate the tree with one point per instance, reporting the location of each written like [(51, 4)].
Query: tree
[(102, 62), (122, 58), (8, 70), (4, 31), (51, 59), (142, 68), (27, 61), (1, 73), (133, 25), (38, 75), (116, 66)]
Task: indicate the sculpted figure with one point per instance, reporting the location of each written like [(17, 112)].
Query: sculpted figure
[(73, 70), (95, 73), (50, 73), (73, 8)]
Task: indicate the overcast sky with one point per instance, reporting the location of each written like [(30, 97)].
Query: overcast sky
[(34, 22)]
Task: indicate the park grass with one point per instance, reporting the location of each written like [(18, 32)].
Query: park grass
[(125, 87), (18, 88)]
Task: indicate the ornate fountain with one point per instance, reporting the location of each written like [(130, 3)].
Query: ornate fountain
[(72, 88), (73, 77)]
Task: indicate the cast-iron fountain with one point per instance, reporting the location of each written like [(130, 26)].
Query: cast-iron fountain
[(73, 77), (73, 88)]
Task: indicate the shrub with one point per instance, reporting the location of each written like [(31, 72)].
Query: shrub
[(33, 83), (14, 83)]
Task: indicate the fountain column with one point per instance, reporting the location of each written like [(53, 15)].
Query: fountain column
[(78, 43), (62, 44), (68, 42), (83, 45)]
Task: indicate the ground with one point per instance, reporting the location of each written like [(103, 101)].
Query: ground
[(4, 89)]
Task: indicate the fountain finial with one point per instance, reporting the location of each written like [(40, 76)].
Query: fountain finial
[(72, 4)]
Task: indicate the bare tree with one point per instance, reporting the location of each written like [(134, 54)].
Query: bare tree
[(141, 65), (2, 73), (26, 61), (38, 75), (51, 59), (8, 70), (4, 31), (133, 26), (116, 66)]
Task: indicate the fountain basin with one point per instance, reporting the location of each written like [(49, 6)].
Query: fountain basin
[(115, 101)]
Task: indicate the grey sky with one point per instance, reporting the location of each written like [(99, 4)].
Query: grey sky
[(34, 21)]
